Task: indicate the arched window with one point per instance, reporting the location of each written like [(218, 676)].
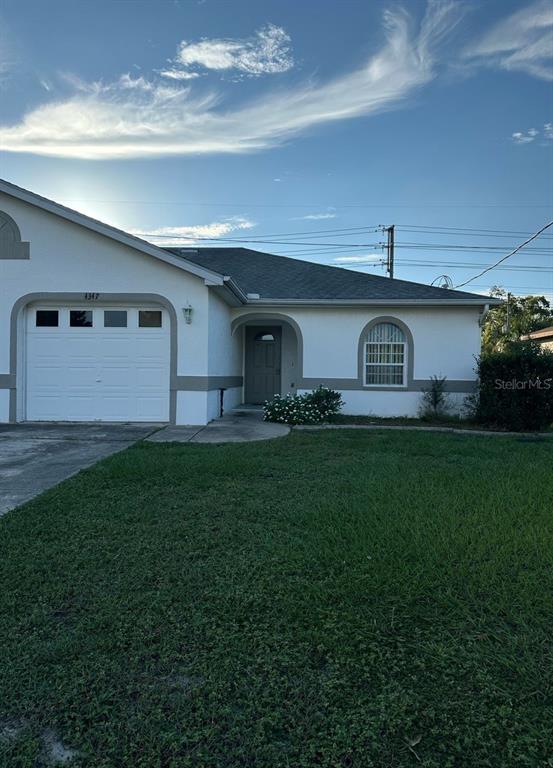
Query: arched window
[(11, 246), (385, 356)]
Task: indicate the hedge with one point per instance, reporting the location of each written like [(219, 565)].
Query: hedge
[(516, 388)]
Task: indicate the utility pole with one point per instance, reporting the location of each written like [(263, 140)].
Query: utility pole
[(508, 329), (390, 251)]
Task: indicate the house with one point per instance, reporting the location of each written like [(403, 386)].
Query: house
[(543, 337), (96, 324)]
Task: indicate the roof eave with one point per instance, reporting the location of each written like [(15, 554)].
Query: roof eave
[(485, 300), (230, 293), (213, 278)]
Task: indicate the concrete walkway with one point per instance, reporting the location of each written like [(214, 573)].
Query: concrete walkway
[(237, 426), (35, 457)]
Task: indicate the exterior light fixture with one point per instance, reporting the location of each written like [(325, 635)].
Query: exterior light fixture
[(187, 312)]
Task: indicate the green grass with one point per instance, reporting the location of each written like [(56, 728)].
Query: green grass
[(406, 421), (409, 421), (336, 599)]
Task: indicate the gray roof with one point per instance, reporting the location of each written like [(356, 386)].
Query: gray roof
[(281, 277)]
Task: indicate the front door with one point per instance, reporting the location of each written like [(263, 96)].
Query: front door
[(262, 363)]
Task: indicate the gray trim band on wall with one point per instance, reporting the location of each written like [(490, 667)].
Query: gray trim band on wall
[(103, 298), (7, 381), (14, 248), (206, 383), (415, 385)]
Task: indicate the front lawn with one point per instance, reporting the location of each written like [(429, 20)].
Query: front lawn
[(340, 598), (408, 421)]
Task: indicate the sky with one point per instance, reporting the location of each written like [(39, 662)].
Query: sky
[(298, 128)]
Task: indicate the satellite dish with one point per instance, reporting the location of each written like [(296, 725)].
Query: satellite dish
[(443, 281)]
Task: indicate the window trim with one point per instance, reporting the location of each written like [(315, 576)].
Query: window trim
[(408, 363), (261, 336), (11, 244), (47, 309), (149, 327), (403, 365), (116, 327), (78, 309)]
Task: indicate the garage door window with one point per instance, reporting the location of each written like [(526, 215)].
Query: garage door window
[(80, 318), (47, 318), (149, 318), (115, 318)]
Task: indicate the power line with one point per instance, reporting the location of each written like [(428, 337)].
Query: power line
[(512, 253), (467, 233), (314, 250), (537, 290), (255, 242), (506, 232), (450, 247), (317, 232), (455, 265)]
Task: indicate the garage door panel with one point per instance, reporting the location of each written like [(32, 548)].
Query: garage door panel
[(78, 406), (113, 346), (118, 408), (148, 407), (86, 374), (117, 375), (46, 376), (148, 378)]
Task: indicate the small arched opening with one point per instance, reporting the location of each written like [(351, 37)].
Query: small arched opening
[(273, 353)]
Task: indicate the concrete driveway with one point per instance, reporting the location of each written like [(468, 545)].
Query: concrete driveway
[(34, 457)]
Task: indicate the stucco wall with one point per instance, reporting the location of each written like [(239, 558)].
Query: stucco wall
[(224, 348), (445, 342), (68, 258), (289, 361)]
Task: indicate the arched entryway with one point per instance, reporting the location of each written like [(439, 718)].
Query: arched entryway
[(272, 346)]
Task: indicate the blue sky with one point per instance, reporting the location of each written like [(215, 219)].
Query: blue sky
[(242, 119)]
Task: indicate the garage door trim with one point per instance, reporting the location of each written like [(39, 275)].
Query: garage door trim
[(100, 299)]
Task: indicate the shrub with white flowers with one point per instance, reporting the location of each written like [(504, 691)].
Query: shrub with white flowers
[(311, 408)]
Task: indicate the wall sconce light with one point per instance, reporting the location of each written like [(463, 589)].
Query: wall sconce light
[(187, 312)]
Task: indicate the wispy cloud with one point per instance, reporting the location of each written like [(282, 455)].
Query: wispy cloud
[(522, 41), (137, 117), (532, 134), (525, 138), (328, 214), (267, 52), (191, 234), (179, 74)]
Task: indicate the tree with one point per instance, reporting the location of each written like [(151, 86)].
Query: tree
[(517, 316)]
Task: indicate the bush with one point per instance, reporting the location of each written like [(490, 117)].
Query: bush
[(434, 399), (327, 401), (516, 388), (312, 408)]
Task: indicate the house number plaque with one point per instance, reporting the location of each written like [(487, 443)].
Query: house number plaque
[(91, 296)]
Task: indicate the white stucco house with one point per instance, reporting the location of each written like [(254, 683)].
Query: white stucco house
[(96, 324)]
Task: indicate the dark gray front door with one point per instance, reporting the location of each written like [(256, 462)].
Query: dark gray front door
[(262, 363)]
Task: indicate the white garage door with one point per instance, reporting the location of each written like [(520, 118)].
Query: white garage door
[(105, 363)]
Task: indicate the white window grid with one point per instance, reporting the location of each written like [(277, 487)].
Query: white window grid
[(385, 356)]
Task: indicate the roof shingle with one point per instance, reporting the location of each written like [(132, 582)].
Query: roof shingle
[(281, 277)]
